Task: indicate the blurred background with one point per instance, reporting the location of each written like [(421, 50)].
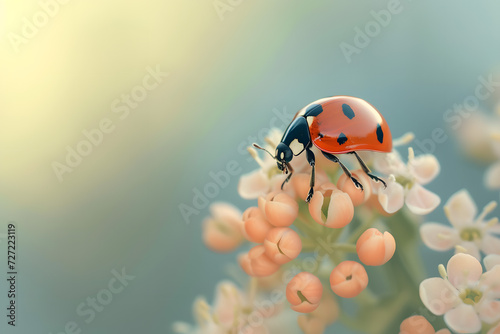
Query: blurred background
[(171, 91)]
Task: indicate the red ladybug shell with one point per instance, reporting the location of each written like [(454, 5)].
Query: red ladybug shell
[(348, 124)]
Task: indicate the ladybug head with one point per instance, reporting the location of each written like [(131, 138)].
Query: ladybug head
[(283, 155)]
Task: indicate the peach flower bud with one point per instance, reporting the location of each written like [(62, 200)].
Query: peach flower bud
[(244, 261), (375, 248), (357, 195), (348, 279), (328, 310), (301, 182), (256, 225), (280, 208), (416, 325), (282, 245), (304, 292), (223, 231), (340, 209), (257, 263), (311, 325)]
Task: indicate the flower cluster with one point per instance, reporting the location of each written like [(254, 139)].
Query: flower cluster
[(314, 256), (336, 244), (340, 220), (467, 297), (236, 311)]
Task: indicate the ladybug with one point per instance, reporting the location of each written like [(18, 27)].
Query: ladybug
[(335, 125)]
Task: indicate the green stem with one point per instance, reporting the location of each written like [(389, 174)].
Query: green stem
[(345, 247), (366, 297), (333, 234), (308, 245)]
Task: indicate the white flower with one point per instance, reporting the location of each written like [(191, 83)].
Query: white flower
[(479, 138), (234, 312), (492, 176), (474, 136), (469, 231), (491, 260), (465, 296), (224, 316), (405, 182)]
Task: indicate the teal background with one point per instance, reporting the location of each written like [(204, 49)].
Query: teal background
[(120, 207)]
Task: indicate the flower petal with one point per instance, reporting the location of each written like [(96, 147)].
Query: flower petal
[(491, 260), (424, 168), (495, 229), (280, 209), (463, 269), (490, 244), (421, 201), (253, 185), (460, 209), (227, 299), (315, 205), (273, 138), (340, 210), (491, 279), (438, 237), (492, 176), (390, 163), (391, 198), (489, 311), (226, 212), (470, 248), (437, 295), (182, 328), (223, 231), (463, 319)]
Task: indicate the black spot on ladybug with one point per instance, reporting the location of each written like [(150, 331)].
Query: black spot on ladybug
[(380, 134), (321, 135), (313, 110), (348, 111), (341, 139)]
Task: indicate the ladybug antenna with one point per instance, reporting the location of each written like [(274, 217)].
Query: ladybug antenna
[(263, 149)]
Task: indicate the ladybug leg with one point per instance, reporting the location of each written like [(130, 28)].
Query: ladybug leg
[(367, 170), (333, 158), (290, 171), (312, 162)]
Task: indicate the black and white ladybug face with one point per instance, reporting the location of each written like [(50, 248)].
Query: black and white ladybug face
[(283, 155)]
